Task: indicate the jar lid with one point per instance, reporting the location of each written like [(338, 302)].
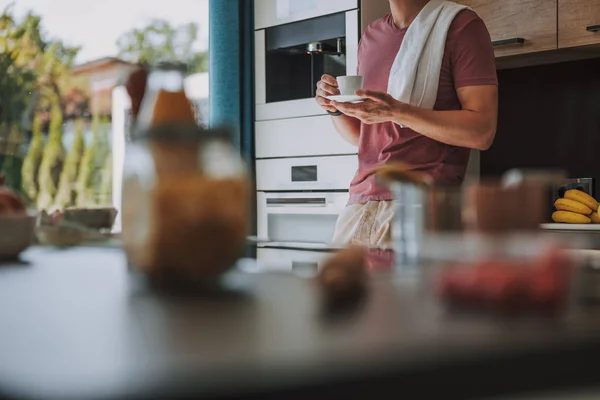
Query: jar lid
[(181, 132), (170, 65)]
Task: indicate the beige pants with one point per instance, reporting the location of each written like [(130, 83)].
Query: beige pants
[(366, 224)]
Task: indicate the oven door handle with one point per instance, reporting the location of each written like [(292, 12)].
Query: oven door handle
[(302, 206), (297, 202)]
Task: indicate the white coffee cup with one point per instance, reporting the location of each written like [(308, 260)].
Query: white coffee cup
[(350, 84)]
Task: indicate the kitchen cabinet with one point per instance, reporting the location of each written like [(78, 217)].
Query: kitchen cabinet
[(268, 13), (519, 26), (578, 23)]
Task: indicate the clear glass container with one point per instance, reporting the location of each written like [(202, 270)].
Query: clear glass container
[(185, 190)]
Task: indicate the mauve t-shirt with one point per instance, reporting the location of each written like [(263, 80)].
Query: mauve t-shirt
[(468, 61)]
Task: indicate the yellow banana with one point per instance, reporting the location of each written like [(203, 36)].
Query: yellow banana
[(570, 218), (582, 197), (573, 206), (595, 217)]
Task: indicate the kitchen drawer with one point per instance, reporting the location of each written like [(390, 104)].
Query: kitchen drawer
[(302, 262), (307, 173), (578, 22), (510, 20), (313, 136)]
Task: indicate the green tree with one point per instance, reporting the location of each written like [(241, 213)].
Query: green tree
[(34, 70), (30, 63), (162, 41), (94, 158), (13, 159), (105, 192), (31, 164), (67, 193), (52, 162)]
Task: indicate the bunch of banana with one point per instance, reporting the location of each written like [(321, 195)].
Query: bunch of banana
[(577, 207)]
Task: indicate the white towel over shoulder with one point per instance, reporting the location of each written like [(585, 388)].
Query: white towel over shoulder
[(415, 74)]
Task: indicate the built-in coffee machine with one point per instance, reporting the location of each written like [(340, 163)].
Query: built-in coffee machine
[(298, 54), (292, 53)]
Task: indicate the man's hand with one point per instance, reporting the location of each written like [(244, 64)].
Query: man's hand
[(327, 86), (474, 126), (377, 108)]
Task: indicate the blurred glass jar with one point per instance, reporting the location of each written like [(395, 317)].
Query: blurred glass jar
[(490, 218), (185, 190), (424, 215)]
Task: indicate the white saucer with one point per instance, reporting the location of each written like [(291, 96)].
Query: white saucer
[(346, 99)]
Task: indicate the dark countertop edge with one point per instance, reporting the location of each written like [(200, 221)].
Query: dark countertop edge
[(548, 367), (503, 370)]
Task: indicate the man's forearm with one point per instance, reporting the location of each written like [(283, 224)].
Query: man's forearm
[(463, 128), (348, 128)]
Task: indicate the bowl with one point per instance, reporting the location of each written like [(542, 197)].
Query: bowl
[(92, 218), (17, 233), (60, 236)]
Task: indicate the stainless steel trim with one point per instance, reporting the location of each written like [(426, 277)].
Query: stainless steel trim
[(297, 201), (341, 46), (260, 68), (314, 47)]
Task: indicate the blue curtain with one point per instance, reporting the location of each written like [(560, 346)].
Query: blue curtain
[(231, 77), (231, 46)]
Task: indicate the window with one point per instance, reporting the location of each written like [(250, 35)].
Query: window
[(64, 111)]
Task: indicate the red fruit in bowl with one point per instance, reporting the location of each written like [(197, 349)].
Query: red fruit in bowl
[(557, 261), (456, 283), (550, 280), (502, 286), (488, 284), (547, 291)]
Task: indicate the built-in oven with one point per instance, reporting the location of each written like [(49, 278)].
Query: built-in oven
[(299, 199), (298, 218), (291, 58)]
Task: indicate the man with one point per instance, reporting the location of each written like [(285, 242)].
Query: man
[(435, 142)]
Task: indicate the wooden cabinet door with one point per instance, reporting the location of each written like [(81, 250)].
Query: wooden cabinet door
[(578, 22), (519, 26)]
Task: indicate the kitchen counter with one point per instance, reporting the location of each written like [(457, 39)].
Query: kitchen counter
[(77, 324)]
